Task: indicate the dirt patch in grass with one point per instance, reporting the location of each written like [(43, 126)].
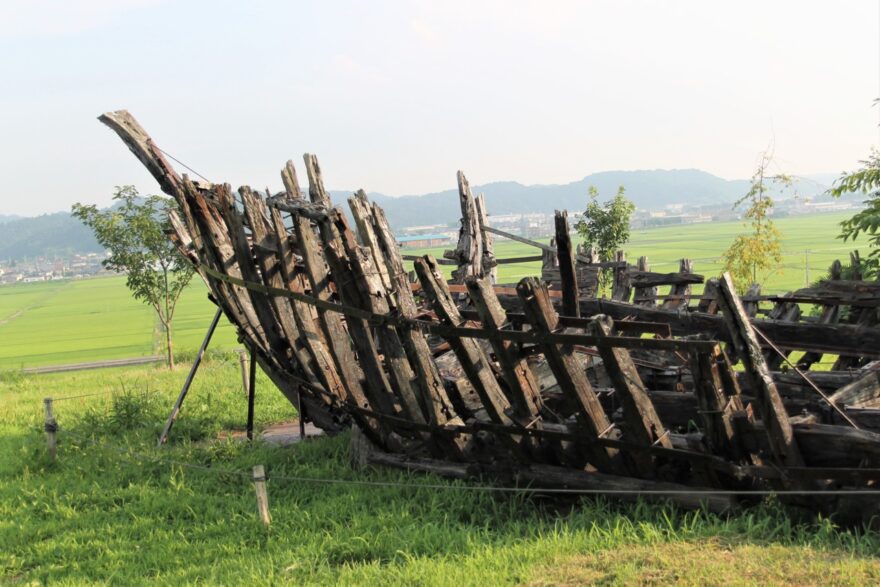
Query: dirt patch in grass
[(710, 562)]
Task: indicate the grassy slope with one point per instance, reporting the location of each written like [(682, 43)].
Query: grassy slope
[(99, 515)]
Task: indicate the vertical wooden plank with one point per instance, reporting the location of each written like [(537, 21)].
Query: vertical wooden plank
[(572, 379), (369, 294), (473, 359), (829, 315), (437, 405), (751, 307), (262, 304), (262, 494), (621, 289), (643, 425), (335, 335), (679, 293), (567, 274), (645, 296), (782, 441), (489, 263), (469, 251), (708, 301), (524, 392), (264, 242), (716, 407), (786, 312), (362, 213)]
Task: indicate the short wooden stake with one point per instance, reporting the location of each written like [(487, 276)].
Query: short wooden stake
[(243, 360), (51, 427), (262, 496)]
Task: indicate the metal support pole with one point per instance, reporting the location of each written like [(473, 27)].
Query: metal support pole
[(251, 389), (302, 414), (189, 378)]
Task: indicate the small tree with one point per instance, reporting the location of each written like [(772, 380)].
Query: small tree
[(761, 250), (605, 226), (867, 220), (134, 233)]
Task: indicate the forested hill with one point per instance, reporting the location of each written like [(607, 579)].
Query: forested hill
[(59, 233), (46, 235), (652, 190)]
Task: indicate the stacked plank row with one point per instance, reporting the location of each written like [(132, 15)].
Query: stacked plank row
[(524, 385)]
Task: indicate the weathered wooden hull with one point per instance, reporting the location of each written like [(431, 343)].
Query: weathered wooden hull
[(523, 384)]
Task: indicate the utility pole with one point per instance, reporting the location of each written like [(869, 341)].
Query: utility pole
[(806, 267)]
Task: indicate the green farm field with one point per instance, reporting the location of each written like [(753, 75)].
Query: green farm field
[(65, 322), (805, 238)]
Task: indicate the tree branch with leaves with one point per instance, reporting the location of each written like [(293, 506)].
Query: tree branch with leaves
[(758, 252), (134, 231), (605, 227)]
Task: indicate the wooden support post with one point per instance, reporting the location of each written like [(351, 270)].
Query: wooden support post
[(262, 494), (708, 301), (470, 354), (643, 425), (769, 403), (243, 361), (645, 296), (175, 411), (51, 428), (489, 262), (524, 392), (437, 406), (570, 375), (830, 314), (621, 288), (567, 272), (301, 412), (679, 292), (252, 384), (469, 250), (715, 405), (751, 307)]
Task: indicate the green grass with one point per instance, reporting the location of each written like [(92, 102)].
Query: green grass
[(103, 514)]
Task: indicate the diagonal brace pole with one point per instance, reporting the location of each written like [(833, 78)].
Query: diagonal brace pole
[(175, 411)]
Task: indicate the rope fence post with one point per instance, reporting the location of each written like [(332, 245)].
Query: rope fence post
[(51, 427), (243, 361), (262, 495)]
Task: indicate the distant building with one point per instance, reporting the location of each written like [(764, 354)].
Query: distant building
[(423, 241)]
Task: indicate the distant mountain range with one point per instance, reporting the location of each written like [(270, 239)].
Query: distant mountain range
[(61, 234), (649, 189)]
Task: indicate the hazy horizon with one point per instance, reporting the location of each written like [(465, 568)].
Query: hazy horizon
[(394, 97)]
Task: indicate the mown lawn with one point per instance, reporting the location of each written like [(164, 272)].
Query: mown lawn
[(109, 511)]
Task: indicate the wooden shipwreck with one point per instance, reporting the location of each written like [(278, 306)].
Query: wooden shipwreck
[(697, 399)]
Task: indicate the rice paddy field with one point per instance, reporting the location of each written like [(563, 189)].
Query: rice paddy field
[(62, 322)]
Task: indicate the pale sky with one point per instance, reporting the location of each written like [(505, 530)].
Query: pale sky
[(394, 97)]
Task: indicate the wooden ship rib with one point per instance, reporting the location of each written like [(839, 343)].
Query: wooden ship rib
[(540, 383)]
